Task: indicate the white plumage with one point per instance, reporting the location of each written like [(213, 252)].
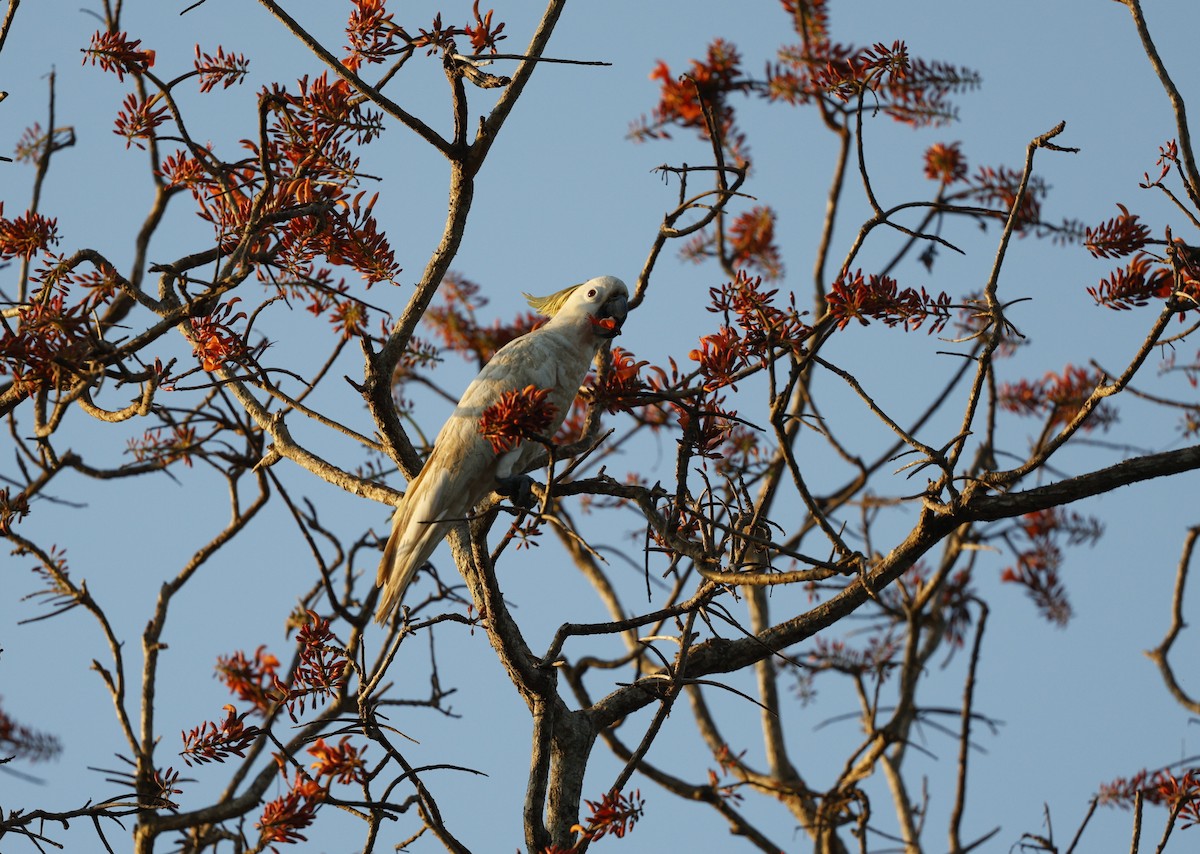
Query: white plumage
[(463, 468)]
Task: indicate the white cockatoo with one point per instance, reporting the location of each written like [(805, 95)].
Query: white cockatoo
[(463, 467)]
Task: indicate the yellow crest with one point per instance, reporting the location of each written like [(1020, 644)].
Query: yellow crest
[(550, 305)]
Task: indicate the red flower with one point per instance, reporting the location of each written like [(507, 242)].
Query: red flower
[(182, 170), (482, 35), (251, 680), (516, 416), (26, 235), (623, 384), (322, 668), (373, 34), (615, 813), (216, 341), (283, 818), (12, 508), (117, 53), (224, 68), (720, 356), (764, 325), (214, 742), (1059, 395), (138, 119), (881, 298), (342, 763), (752, 241), (997, 188), (945, 163)]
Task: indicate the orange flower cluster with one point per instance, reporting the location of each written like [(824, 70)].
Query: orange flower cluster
[(845, 77), (342, 763), (880, 297), (763, 324), (117, 53), (1142, 279), (138, 119), (680, 96), (373, 34), (215, 741), (252, 680), (13, 508), (455, 321), (1058, 395), (910, 90), (283, 818), (914, 91), (997, 187), (1039, 557), (516, 416), (761, 328), (616, 813), (322, 669), (182, 170), (721, 355), (1179, 790), (1119, 236), (47, 346), (320, 672), (351, 236), (623, 387), (216, 340), (292, 202), (682, 99), (483, 34), (749, 244), (752, 242), (26, 235), (945, 163), (153, 446), (222, 68)]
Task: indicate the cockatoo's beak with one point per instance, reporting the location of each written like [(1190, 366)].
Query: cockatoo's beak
[(611, 317)]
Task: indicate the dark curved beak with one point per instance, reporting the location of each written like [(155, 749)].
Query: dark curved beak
[(616, 308)]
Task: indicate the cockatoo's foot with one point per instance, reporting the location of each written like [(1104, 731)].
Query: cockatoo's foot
[(518, 487)]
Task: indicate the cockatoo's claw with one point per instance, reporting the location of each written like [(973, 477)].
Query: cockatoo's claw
[(518, 487)]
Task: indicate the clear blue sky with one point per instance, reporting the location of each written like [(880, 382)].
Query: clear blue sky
[(565, 197)]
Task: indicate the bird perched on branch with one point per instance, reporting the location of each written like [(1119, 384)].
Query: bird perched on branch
[(543, 368)]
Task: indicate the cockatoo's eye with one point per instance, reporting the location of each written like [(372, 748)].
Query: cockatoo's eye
[(591, 293)]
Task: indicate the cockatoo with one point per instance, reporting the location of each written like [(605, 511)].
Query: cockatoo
[(463, 467)]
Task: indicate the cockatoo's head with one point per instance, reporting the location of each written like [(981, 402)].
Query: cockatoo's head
[(603, 302)]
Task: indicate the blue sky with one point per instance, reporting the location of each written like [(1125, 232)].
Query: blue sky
[(565, 196)]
